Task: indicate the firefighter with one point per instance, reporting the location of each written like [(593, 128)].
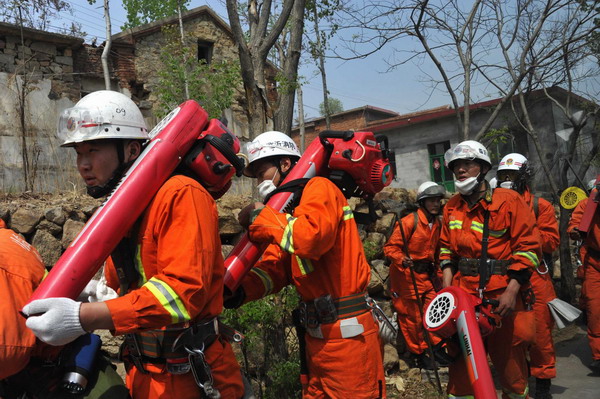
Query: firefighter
[(31, 368), (515, 173), (421, 230), (590, 257), (168, 271), (512, 254), (317, 249)]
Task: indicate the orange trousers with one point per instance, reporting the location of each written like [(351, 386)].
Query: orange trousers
[(160, 384), (507, 348), (409, 318), (590, 300), (345, 367), (541, 354)]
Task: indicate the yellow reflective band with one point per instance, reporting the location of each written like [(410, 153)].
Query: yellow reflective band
[(287, 240), (168, 299), (461, 397), (476, 226), (455, 224), (529, 255), (305, 265), (348, 214), (445, 251), (265, 278), (139, 266), (497, 233), (513, 395)]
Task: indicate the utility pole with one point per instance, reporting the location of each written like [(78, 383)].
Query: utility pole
[(107, 45), (301, 117)]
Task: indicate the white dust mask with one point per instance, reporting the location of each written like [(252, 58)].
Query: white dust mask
[(467, 186), (506, 184), (266, 187)]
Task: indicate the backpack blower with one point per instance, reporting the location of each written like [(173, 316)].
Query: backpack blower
[(209, 153), (359, 163), (453, 311)]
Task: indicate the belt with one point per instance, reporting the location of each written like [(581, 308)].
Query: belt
[(326, 310), (470, 266), (422, 267)]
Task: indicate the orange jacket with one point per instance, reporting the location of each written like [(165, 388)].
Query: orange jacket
[(422, 244), (511, 235), (179, 261), (21, 271), (318, 248), (545, 222), (592, 238)]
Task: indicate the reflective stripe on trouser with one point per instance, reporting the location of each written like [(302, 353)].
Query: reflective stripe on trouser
[(160, 384), (542, 356), (348, 367), (507, 348)]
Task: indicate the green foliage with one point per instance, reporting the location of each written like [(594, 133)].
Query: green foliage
[(141, 12), (497, 141), (335, 106), (371, 249), (212, 85), (270, 354)]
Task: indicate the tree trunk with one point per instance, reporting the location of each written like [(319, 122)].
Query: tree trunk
[(284, 113), (107, 45)]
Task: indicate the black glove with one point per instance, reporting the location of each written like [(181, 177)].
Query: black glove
[(235, 300)]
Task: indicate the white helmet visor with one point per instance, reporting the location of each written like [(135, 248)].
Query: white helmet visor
[(79, 124)]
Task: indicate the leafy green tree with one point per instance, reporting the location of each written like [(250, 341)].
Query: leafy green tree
[(269, 352), (212, 85), (335, 106), (141, 12)]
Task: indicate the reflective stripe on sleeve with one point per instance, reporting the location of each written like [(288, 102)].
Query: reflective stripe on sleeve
[(513, 395), (139, 266), (265, 278), (348, 214), (168, 299), (529, 255), (305, 265), (445, 251), (287, 240)]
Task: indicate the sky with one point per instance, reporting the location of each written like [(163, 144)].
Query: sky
[(355, 83)]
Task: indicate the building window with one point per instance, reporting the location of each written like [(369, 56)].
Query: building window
[(205, 51), (439, 172)]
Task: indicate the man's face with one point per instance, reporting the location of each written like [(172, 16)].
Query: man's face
[(433, 205), (465, 168), (96, 161)]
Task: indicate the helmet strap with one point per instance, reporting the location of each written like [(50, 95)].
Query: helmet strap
[(101, 191)]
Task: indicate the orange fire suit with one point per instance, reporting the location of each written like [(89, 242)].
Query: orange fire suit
[(590, 290), (542, 354), (21, 271), (318, 249), (511, 237), (422, 248), (180, 268)]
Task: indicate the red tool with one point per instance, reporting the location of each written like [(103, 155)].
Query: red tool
[(361, 156)]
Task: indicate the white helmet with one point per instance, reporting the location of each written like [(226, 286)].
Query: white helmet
[(270, 144), (430, 189), (102, 114), (591, 184), (469, 149), (512, 161)]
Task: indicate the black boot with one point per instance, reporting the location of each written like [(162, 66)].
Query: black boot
[(423, 361), (595, 366), (542, 388), (442, 358)]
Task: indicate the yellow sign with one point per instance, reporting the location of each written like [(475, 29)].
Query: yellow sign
[(571, 197)]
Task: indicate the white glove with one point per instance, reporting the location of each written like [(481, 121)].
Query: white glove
[(97, 291), (54, 320), (387, 335)]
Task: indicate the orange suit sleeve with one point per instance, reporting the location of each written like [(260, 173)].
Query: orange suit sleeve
[(548, 226)]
